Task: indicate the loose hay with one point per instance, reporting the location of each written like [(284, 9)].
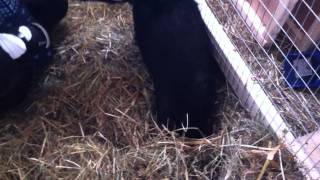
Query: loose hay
[(91, 118)]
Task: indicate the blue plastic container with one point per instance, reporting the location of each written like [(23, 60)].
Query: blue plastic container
[(304, 70)]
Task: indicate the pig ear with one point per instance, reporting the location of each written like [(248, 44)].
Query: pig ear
[(12, 45)]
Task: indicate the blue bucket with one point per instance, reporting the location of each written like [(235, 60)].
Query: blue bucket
[(303, 69)]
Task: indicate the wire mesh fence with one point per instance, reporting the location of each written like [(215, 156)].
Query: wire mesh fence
[(279, 41)]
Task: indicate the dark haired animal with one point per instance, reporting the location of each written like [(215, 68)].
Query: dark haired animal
[(15, 82), (176, 49), (47, 12), (16, 76)]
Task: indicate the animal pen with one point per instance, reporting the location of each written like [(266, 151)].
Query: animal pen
[(271, 58), (90, 115)]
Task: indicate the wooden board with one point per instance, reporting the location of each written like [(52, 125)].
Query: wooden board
[(304, 27), (265, 17), (302, 39), (311, 144)]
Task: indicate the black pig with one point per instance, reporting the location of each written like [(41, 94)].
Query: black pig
[(176, 49)]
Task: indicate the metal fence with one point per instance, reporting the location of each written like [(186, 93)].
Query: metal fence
[(278, 40)]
